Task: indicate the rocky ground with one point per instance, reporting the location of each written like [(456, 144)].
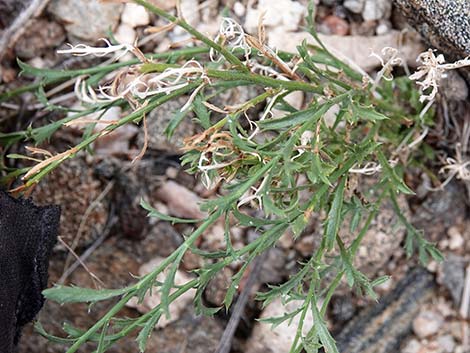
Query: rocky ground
[(99, 195)]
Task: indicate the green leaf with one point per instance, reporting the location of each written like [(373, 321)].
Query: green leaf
[(201, 112), (311, 114), (299, 225), (147, 330), (101, 343), (64, 294), (435, 253), (156, 214), (248, 221), (392, 175), (334, 215), (366, 113), (175, 121), (379, 281), (46, 73), (322, 331), (169, 283), (40, 329)]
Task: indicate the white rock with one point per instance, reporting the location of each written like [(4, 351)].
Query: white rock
[(117, 141), (356, 49), (280, 338), (125, 34), (86, 19), (252, 20), (180, 201), (295, 99), (285, 14), (376, 9), (135, 15), (355, 6), (427, 323), (383, 28), (150, 301), (239, 9), (447, 343), (190, 11), (456, 240), (413, 346)]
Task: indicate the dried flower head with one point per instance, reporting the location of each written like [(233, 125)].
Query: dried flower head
[(432, 70)]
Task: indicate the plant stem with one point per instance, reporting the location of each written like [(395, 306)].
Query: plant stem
[(191, 30)]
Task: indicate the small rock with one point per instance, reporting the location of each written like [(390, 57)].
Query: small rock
[(217, 287), (453, 86), (285, 14), (157, 121), (383, 28), (335, 25), (342, 309), (86, 19), (151, 300), (376, 10), (180, 201), (172, 172), (427, 323), (447, 343), (191, 333), (295, 99), (190, 11), (355, 6), (455, 329), (38, 37), (456, 240), (329, 2), (165, 4), (135, 15), (116, 142), (452, 276), (215, 237), (352, 48), (305, 245), (125, 34), (265, 339), (413, 346), (273, 269), (239, 9)]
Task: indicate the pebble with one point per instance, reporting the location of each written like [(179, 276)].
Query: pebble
[(453, 86), (165, 4), (279, 338), (427, 323), (335, 25), (190, 11), (239, 9), (329, 2), (356, 48), (456, 240), (135, 15), (447, 343), (413, 346), (151, 300), (452, 276), (383, 28), (285, 14), (355, 6), (39, 36), (376, 10), (181, 202), (87, 20), (125, 34)]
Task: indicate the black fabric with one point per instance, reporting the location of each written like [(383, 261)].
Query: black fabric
[(27, 235)]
